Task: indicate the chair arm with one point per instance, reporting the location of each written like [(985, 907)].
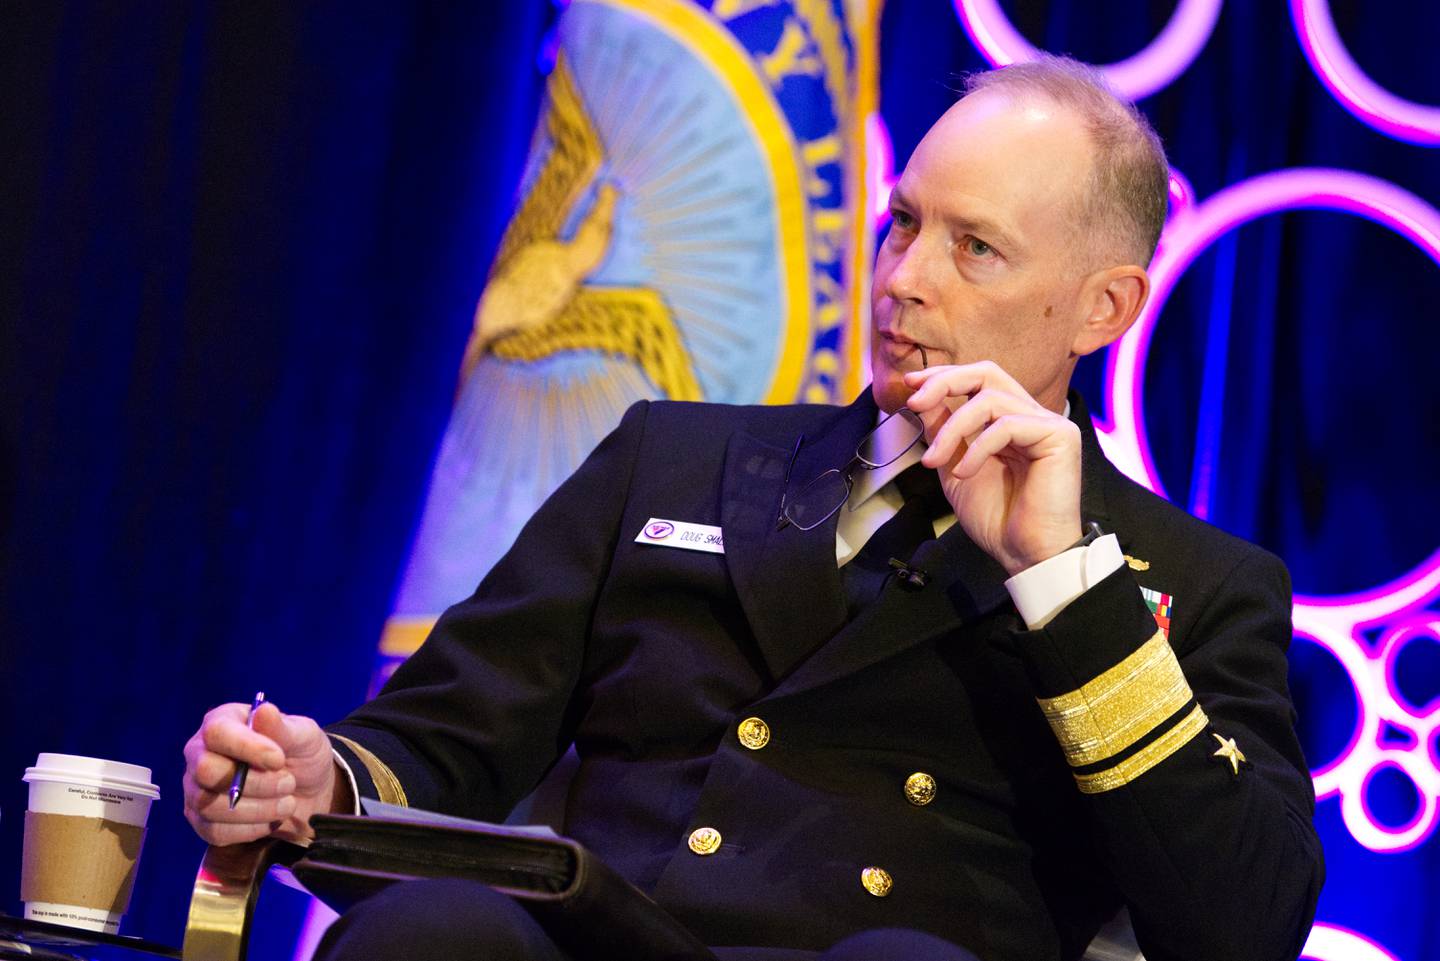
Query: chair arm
[(223, 900)]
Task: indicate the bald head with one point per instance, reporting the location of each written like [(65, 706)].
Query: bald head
[(1122, 207)]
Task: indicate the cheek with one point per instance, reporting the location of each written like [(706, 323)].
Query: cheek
[(880, 276), (1035, 310), (973, 315), (988, 324), (1044, 333)]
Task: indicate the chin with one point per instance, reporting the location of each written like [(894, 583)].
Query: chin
[(889, 388)]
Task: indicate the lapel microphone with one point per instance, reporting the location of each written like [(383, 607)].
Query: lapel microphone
[(909, 576)]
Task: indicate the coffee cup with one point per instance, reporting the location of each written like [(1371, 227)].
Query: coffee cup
[(84, 828)]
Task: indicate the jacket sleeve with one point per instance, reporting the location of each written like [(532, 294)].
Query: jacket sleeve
[(473, 720), (1216, 856)]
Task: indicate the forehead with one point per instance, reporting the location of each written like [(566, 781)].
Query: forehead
[(1021, 164)]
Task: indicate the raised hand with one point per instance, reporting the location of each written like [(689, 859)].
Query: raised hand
[(1009, 466)]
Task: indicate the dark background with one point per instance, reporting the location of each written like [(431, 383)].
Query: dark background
[(240, 247)]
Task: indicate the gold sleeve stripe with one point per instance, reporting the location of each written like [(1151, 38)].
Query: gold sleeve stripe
[(387, 785), (1146, 758), (1119, 707)]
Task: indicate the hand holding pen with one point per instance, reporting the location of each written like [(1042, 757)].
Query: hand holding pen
[(277, 769)]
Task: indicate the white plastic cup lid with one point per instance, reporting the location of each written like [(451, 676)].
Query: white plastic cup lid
[(94, 771)]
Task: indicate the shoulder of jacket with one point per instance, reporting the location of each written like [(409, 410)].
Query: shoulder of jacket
[(1155, 524)]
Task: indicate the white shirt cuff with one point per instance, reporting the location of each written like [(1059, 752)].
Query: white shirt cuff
[(1042, 591), (354, 786)]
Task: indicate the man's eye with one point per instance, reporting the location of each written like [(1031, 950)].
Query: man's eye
[(976, 247), (902, 220)]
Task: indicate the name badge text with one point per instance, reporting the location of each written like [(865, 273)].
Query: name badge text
[(689, 537)]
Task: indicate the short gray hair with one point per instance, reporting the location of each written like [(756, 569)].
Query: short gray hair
[(1129, 186)]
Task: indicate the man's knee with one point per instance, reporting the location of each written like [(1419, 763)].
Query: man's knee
[(439, 920), (895, 944)]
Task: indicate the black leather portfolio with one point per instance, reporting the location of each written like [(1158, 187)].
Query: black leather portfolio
[(583, 904)]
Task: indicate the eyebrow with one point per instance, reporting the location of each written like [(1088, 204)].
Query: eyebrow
[(984, 228)]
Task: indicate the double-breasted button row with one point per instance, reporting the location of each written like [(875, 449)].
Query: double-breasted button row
[(919, 791), (754, 734)]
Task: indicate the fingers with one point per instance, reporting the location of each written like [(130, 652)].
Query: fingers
[(296, 735), (959, 404), (967, 421), (210, 814), (1022, 432), (214, 806), (221, 834), (214, 772), (935, 385)]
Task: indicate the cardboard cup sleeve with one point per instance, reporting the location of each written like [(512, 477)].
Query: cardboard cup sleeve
[(83, 861)]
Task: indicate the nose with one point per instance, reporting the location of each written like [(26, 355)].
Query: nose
[(911, 274)]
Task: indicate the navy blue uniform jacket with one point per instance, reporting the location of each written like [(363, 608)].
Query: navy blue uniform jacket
[(646, 658)]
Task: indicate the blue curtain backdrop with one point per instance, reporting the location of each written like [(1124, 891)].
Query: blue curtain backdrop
[(240, 248)]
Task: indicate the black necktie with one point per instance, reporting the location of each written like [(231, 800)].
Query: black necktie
[(899, 537)]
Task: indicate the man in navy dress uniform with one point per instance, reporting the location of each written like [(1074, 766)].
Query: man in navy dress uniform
[(924, 676)]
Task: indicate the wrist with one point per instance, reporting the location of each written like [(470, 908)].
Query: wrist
[(1088, 534), (1040, 592)]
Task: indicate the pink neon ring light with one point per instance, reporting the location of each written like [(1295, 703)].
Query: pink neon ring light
[(1335, 623), (1371, 103), (1138, 76)]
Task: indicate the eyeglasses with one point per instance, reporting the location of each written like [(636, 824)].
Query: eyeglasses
[(817, 501)]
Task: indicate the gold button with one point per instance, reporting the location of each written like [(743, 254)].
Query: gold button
[(877, 881), (920, 789), (754, 733), (704, 841)]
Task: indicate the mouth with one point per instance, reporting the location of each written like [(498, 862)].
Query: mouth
[(900, 349)]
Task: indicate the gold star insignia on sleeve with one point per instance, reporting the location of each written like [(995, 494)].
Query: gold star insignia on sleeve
[(1229, 752)]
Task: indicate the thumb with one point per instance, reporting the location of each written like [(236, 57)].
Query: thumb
[(295, 734)]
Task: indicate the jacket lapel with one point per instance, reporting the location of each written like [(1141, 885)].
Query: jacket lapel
[(1094, 469), (787, 580)]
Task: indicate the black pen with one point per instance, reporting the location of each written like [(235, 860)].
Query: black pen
[(237, 783)]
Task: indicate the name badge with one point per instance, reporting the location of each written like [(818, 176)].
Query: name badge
[(689, 537)]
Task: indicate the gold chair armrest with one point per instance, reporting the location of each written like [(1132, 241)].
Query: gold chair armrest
[(223, 900)]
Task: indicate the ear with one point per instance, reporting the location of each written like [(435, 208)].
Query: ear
[(1114, 298)]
